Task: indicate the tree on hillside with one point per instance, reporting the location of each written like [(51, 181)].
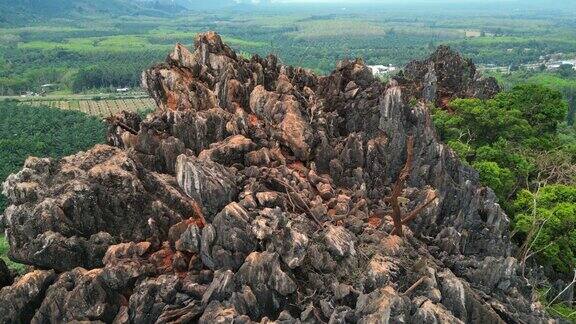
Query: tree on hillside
[(546, 221), (542, 107), (570, 94), (496, 135)]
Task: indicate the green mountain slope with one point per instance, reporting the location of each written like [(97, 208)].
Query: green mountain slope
[(19, 12)]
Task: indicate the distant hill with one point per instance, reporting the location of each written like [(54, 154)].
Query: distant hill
[(21, 12), (214, 4), (18, 12), (210, 4)]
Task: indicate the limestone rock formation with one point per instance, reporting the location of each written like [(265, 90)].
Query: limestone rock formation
[(256, 193), (446, 75), (65, 214)]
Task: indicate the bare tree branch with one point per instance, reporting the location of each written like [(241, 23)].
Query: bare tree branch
[(418, 210), (115, 121), (563, 291)]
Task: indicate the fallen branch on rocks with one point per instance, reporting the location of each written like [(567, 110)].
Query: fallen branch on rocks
[(418, 210), (295, 199), (187, 314), (414, 286), (399, 185), (197, 214), (114, 120)]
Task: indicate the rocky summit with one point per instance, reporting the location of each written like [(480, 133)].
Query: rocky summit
[(260, 192)]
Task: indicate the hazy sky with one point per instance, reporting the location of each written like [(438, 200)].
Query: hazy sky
[(381, 1), (377, 1), (541, 4)]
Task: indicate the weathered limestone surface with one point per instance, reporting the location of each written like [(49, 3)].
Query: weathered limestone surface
[(255, 193)]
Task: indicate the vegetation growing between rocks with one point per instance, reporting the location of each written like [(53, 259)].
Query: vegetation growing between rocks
[(4, 247), (562, 309), (548, 217)]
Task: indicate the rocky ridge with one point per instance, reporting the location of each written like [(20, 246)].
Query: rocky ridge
[(256, 193)]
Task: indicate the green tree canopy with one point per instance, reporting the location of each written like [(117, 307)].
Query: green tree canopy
[(550, 214), (541, 107), (499, 136)]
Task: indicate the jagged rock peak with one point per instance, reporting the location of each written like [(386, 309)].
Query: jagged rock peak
[(212, 42), (445, 75), (260, 192)]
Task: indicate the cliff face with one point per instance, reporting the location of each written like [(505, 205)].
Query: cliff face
[(256, 192)]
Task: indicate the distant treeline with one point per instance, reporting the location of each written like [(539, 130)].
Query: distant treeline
[(27, 70)]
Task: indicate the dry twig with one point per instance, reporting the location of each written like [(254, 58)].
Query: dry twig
[(295, 199), (114, 121), (399, 185), (414, 286), (563, 291)]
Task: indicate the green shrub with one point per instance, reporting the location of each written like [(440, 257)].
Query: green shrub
[(562, 310), (504, 153), (501, 180), (4, 247), (462, 149)]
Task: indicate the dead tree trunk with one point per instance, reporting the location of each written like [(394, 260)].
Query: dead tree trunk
[(399, 186), (397, 217)]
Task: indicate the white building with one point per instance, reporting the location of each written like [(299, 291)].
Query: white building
[(570, 62), (557, 64), (382, 69)]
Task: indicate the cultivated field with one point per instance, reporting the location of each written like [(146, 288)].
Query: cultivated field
[(101, 108)]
